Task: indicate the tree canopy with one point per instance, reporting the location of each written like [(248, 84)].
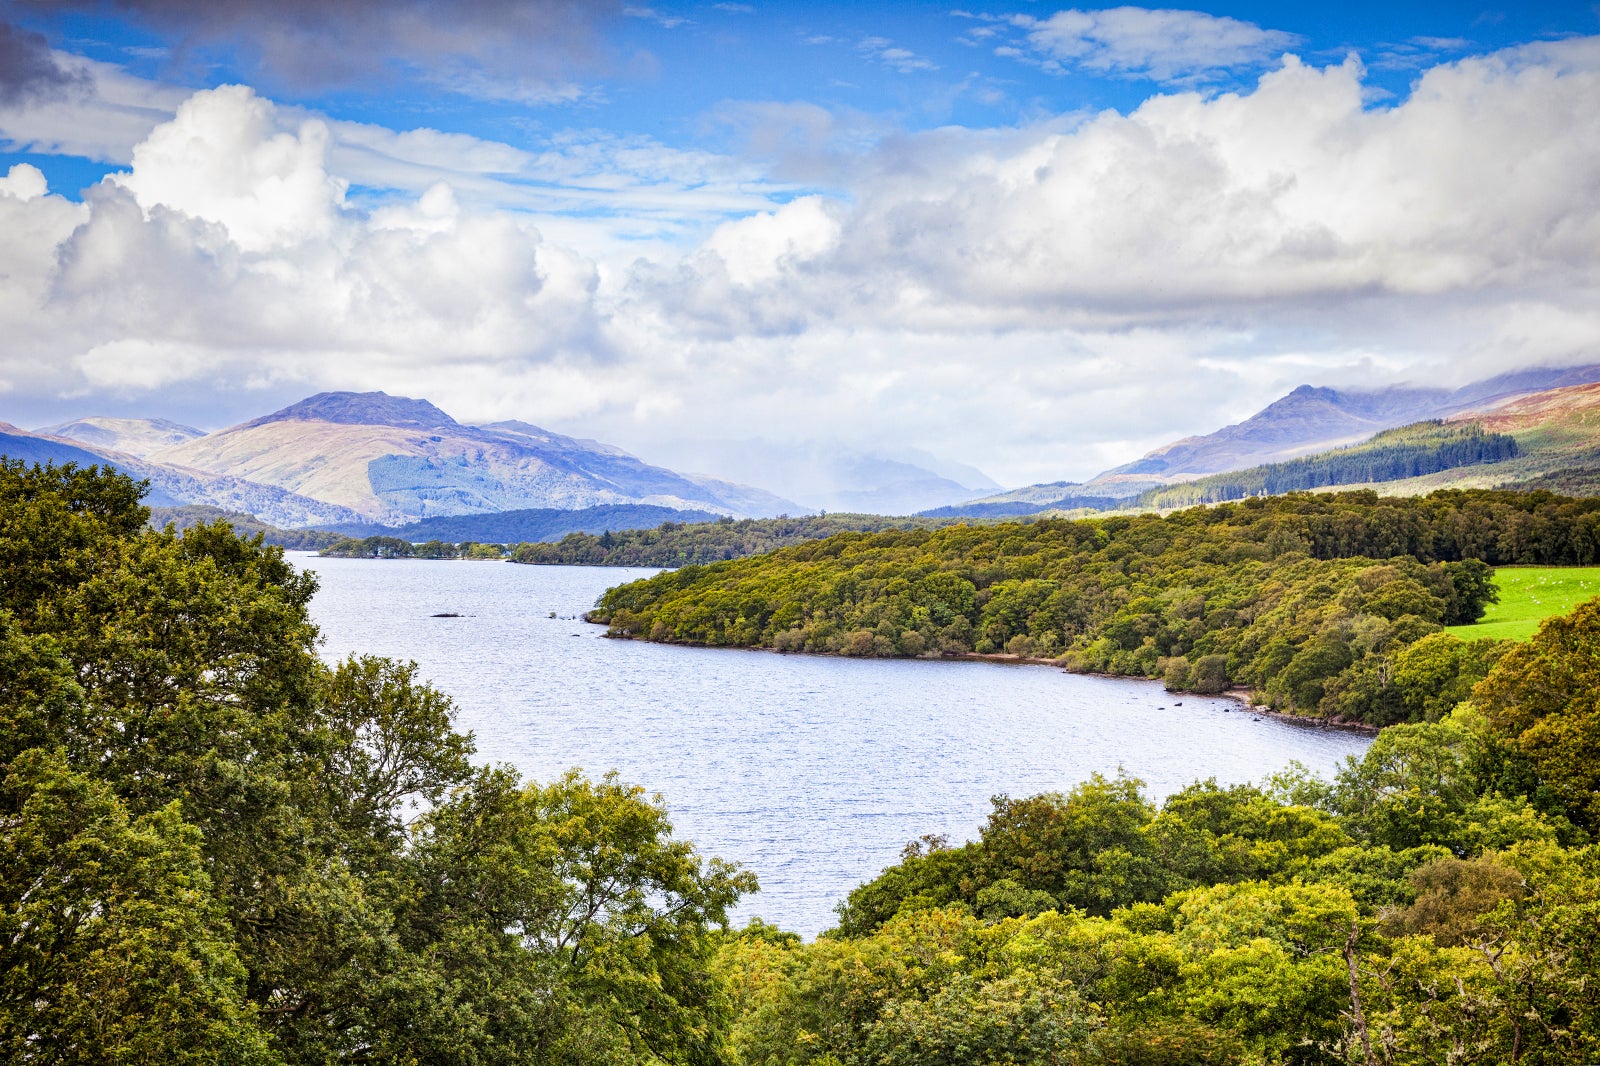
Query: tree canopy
[(214, 848)]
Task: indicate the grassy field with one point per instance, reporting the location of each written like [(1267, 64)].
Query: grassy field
[(1529, 595)]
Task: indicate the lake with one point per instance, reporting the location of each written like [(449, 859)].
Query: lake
[(812, 771)]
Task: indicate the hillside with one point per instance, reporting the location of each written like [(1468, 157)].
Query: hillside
[(174, 486), (394, 460), (133, 436), (1307, 421), (1392, 455), (1558, 442), (246, 525)]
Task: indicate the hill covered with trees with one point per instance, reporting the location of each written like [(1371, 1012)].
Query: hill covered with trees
[(1407, 452), (1315, 601), (1438, 904), (684, 544)]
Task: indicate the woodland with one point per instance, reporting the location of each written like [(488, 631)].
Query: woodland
[(1331, 605), (215, 848)]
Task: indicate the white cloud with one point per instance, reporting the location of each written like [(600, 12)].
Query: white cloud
[(25, 182), (1160, 44), (222, 159), (1043, 301), (224, 257), (761, 247), (900, 60)]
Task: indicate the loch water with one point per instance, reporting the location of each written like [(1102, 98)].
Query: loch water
[(812, 771)]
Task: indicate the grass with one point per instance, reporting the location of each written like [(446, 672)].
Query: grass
[(1529, 595)]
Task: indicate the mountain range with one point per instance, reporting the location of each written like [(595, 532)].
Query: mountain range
[(350, 460), (365, 461)]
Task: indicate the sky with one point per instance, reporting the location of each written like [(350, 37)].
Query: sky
[(1033, 238)]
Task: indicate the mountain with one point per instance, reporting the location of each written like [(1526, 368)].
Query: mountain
[(1311, 419), (1308, 421), (395, 460), (836, 478), (530, 525), (173, 486), (132, 436)]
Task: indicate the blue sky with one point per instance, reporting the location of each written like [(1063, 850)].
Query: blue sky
[(1032, 237)]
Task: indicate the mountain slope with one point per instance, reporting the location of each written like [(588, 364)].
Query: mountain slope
[(1307, 421), (174, 486), (132, 436), (395, 460), (1312, 419)]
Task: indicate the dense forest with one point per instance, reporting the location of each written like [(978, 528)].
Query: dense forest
[(684, 544), (1323, 604), (1436, 905), (1409, 451), (217, 849)]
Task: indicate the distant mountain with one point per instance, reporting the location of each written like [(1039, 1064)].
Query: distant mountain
[(836, 478), (173, 486), (530, 525), (133, 436), (1308, 421), (394, 460), (1313, 419)]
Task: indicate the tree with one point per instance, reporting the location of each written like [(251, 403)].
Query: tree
[(1544, 696), (112, 948)]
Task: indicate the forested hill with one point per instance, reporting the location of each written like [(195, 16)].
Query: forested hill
[(1409, 451), (1315, 601), (682, 544)]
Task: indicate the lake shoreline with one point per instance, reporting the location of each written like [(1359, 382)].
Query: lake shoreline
[(1240, 694)]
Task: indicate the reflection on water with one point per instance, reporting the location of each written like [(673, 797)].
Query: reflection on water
[(811, 771)]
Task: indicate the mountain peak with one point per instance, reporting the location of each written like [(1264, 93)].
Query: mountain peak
[(361, 408)]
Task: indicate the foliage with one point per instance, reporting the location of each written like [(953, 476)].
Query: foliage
[(1414, 913), (215, 848), (246, 525), (1544, 697), (384, 547), (1307, 599)]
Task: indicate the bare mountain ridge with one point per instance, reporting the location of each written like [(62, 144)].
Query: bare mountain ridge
[(131, 436), (395, 460)]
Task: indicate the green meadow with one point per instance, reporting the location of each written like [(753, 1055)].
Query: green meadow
[(1529, 595)]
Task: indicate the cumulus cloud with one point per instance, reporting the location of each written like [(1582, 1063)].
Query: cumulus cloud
[(1046, 300), (1161, 44), (222, 159), (1294, 191), (1220, 247), (225, 256)]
